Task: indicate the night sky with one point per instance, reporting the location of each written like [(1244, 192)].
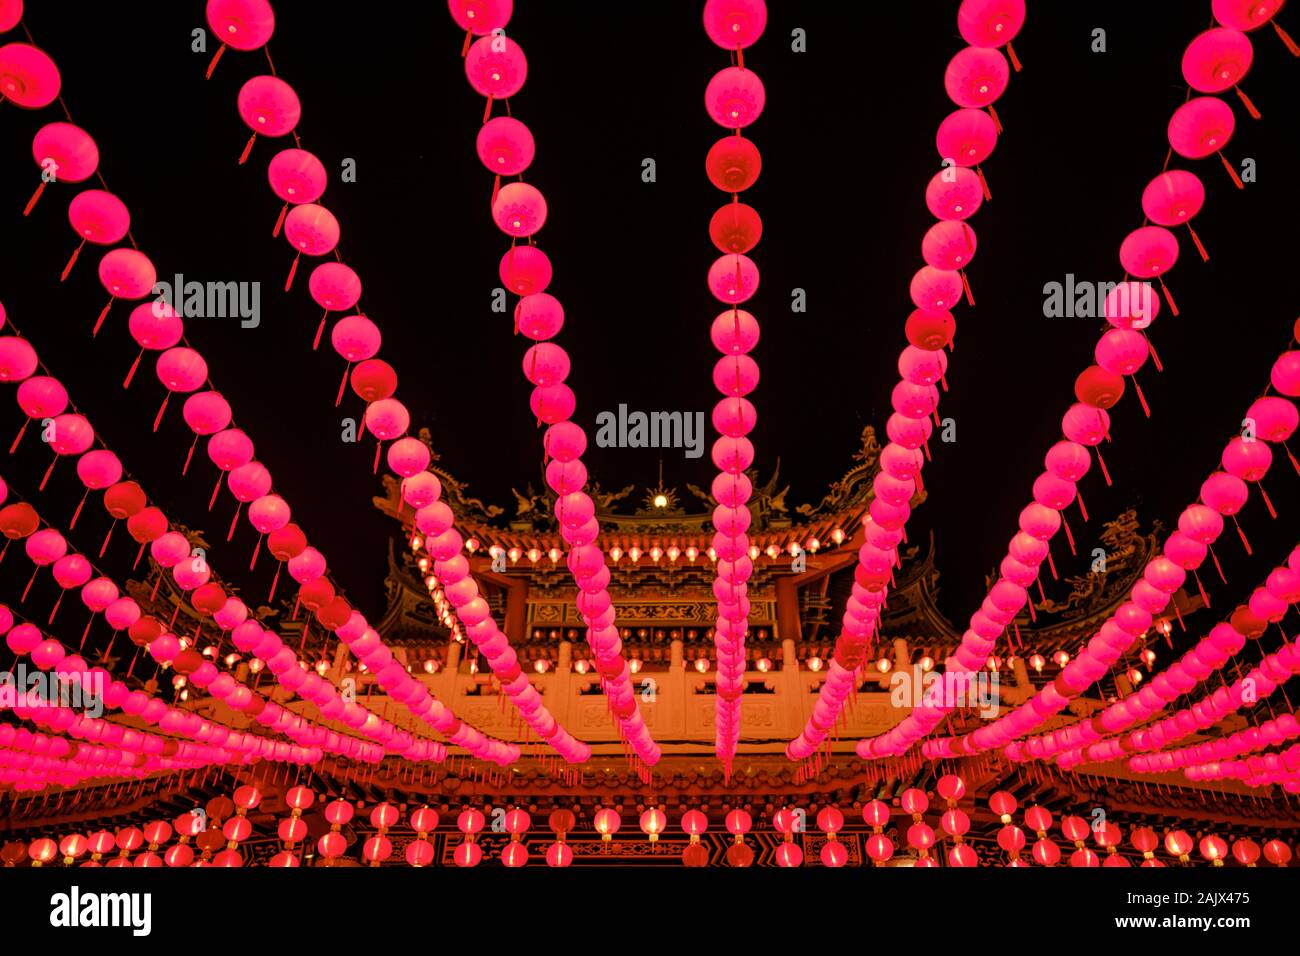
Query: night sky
[(847, 139)]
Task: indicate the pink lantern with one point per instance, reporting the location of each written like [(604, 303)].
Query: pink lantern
[(206, 413), (70, 435), (17, 359), (1218, 59), (935, 290), (310, 229), (966, 137), (525, 270), (1149, 252), (297, 177), (11, 13), (481, 17), (242, 24), (97, 470), (1172, 199), (1202, 126), (519, 209), (496, 68), (1247, 15), (28, 77), (733, 164), (126, 274), (96, 216), (269, 106), (505, 146), (975, 78), (180, 370), (336, 288), (733, 279), (954, 193), (991, 23), (356, 339), (65, 153), (155, 326), (735, 24), (734, 97), (39, 397)]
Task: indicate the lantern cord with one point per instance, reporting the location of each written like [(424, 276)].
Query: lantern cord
[(1245, 101), (320, 330), (130, 375), (31, 203), (1231, 172), (464, 49), (293, 271), (1205, 256), (279, 222), (221, 50), (1286, 38), (1168, 298), (102, 316), (21, 431), (63, 276), (487, 111), (248, 148), (1015, 60), (162, 409)]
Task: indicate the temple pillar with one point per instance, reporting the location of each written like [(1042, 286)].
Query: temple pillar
[(453, 656), (787, 608), (902, 655), (1020, 672), (675, 655), (564, 660)]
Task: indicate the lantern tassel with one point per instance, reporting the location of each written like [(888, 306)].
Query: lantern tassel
[(274, 581), (1082, 508), (1272, 512), (31, 203), (1205, 598), (320, 330), (63, 276), (1231, 172), (30, 582), (189, 455), (130, 375), (1069, 535), (338, 399), (233, 521), (1205, 256), (1217, 566), (77, 514), (257, 549), (997, 123), (1168, 298), (19, 437), (248, 148), (379, 447), (464, 50), (162, 409), (50, 470), (1052, 565), (293, 271), (1245, 101), (970, 299), (86, 632), (496, 190), (212, 502), (215, 60), (102, 316), (1146, 409), (1015, 60), (279, 222), (55, 610), (1105, 472), (104, 547), (487, 110), (1286, 38), (1294, 464), (983, 183)]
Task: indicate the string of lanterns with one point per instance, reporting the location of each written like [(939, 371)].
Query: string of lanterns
[(734, 99), (975, 78), (496, 69), (1147, 253)]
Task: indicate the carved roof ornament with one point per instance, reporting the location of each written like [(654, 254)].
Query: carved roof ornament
[(855, 487)]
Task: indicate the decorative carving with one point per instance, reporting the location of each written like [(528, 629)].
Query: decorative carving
[(853, 488)]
